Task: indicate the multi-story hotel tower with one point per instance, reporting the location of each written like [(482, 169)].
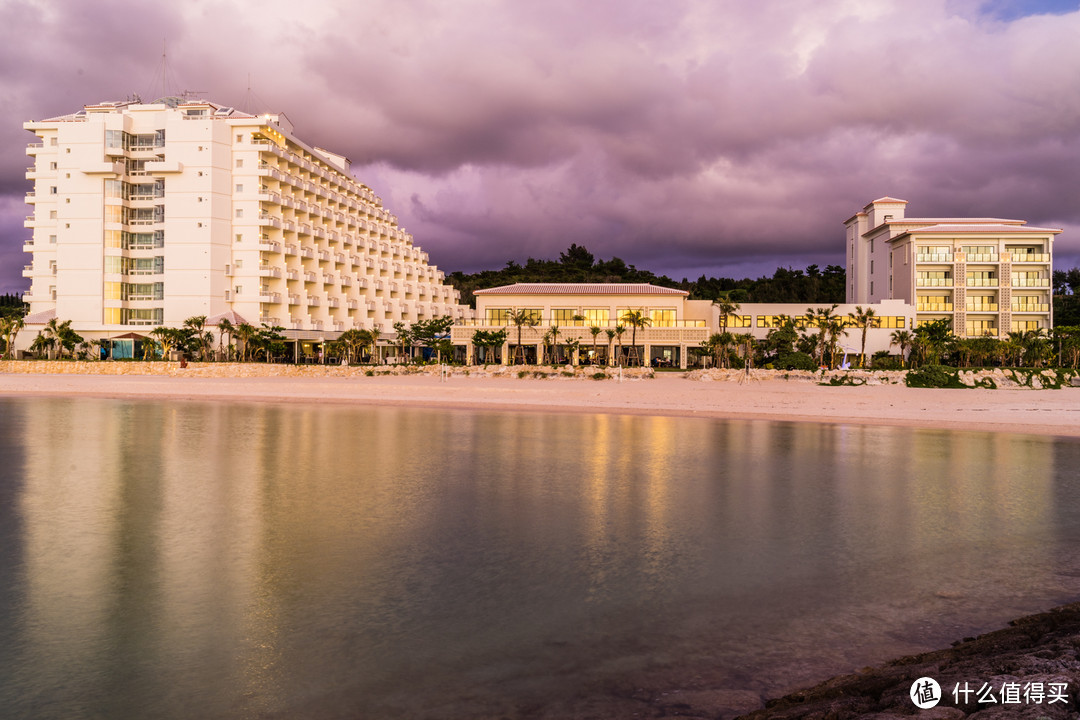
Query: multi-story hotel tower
[(150, 213), (989, 276)]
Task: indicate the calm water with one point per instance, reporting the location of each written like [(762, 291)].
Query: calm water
[(179, 560)]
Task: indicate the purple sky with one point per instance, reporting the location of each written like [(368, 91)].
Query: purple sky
[(719, 137)]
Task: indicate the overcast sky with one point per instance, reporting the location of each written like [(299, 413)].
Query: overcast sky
[(719, 137)]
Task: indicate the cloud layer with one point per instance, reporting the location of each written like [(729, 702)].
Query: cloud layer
[(719, 137)]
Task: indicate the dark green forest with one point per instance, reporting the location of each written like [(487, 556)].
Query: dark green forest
[(577, 264)]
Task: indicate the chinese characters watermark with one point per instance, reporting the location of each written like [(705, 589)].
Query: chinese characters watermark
[(926, 693)]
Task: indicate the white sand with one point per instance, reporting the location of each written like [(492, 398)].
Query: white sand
[(1046, 412)]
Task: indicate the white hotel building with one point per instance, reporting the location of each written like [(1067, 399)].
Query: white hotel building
[(150, 213), (990, 276)]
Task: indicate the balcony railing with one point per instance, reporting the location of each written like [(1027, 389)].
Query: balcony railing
[(982, 282), (1030, 257), (933, 282), (934, 257), (982, 307), (982, 257), (1031, 282), (934, 307), (1031, 307)]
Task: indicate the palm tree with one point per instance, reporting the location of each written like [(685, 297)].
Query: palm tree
[(619, 330), (635, 319), (552, 336), (903, 338), (225, 327), (610, 338), (1036, 346), (167, 338), (594, 331), (197, 325), (862, 319), (726, 307), (246, 333), (10, 325), (520, 317), (820, 318), (837, 327)]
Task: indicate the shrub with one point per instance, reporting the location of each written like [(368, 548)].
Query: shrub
[(599, 376), (882, 360), (796, 361), (523, 373), (933, 376), (370, 373)]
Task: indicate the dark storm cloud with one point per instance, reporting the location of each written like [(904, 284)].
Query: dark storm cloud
[(683, 135)]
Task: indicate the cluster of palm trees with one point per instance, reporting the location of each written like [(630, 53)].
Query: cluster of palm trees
[(934, 343), (10, 325), (525, 317), (57, 338)]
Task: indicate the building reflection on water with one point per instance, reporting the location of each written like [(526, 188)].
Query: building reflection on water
[(251, 559)]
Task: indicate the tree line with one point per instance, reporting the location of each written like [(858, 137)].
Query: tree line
[(578, 265)]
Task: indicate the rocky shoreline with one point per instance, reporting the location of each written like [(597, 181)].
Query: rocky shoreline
[(1026, 662)]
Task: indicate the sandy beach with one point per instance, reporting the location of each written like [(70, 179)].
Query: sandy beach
[(766, 396)]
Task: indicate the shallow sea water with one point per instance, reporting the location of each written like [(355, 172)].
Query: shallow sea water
[(223, 560)]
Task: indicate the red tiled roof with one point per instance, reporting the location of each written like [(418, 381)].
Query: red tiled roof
[(40, 318), (580, 289), (234, 318), (981, 228)]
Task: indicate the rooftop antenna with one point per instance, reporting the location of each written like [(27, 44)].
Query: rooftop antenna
[(253, 104), (167, 81)]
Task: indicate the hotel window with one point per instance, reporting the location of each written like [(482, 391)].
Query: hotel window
[(934, 303), (535, 314), (871, 266), (979, 328), (141, 316), (980, 303), (1028, 303), (112, 291), (239, 211), (114, 264), (1024, 325), (111, 316), (934, 253), (114, 189), (1029, 279), (52, 190), (113, 239), (889, 321), (662, 317), (52, 239), (933, 278), (240, 163), (52, 214), (239, 187), (739, 321), (980, 253), (563, 316), (775, 321), (982, 278), (497, 316), (597, 317)]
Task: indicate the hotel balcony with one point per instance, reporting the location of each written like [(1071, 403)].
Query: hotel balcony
[(33, 148), (269, 220), (163, 167), (30, 221), (982, 282), (353, 304), (294, 299), (333, 302), (933, 258), (268, 320), (981, 257), (1031, 282), (1030, 257), (28, 245), (270, 298), (269, 271), (291, 250), (1031, 307), (309, 277), (307, 253), (28, 271), (324, 256), (313, 301), (270, 247), (327, 279), (31, 197), (293, 274), (981, 308)]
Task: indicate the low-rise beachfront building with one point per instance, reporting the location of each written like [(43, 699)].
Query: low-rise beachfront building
[(146, 214), (988, 276), (587, 315)]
